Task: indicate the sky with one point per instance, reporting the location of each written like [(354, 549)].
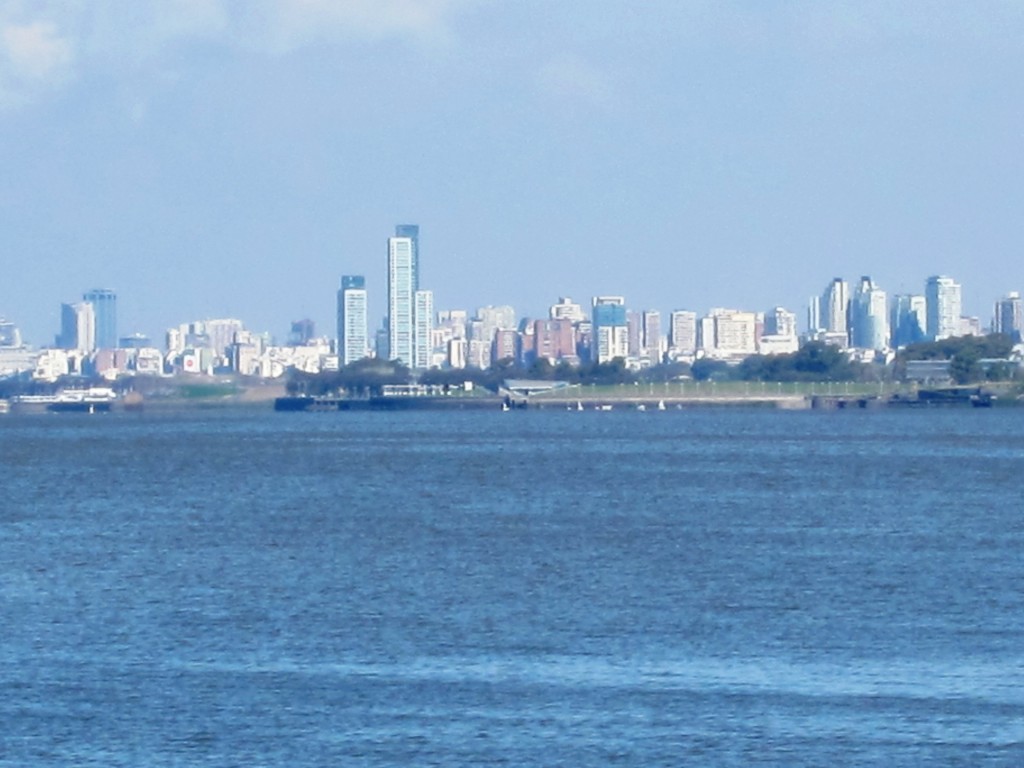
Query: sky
[(234, 158)]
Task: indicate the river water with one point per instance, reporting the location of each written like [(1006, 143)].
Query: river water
[(703, 587)]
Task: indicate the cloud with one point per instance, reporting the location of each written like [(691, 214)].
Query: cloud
[(288, 24), (33, 57), (43, 41)]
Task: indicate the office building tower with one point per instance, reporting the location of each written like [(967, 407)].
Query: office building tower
[(77, 327), (423, 329), (652, 342), (780, 322), (218, 334), (493, 319), (412, 233), (907, 320), (456, 320), (401, 293), (869, 322), (778, 333), (353, 320), (834, 308), (682, 333), (302, 332), (104, 306), (729, 333), (611, 332), (943, 307), (634, 333), (380, 342), (506, 345), (566, 309), (1009, 316), (554, 339), (814, 314)]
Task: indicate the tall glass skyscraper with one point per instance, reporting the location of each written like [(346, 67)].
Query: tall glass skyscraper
[(412, 232), (834, 306), (611, 333), (104, 304), (869, 322), (353, 325), (401, 298), (943, 306), (77, 327), (423, 328)]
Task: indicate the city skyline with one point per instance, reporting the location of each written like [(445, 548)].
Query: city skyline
[(840, 318), (863, 321), (219, 159)]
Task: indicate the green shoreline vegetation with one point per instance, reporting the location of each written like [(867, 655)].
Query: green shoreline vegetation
[(815, 370)]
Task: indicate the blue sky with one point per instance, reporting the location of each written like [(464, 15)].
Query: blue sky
[(211, 158)]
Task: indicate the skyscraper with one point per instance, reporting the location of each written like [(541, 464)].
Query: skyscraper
[(353, 322), (104, 304), (683, 333), (833, 309), (652, 335), (77, 327), (412, 232), (908, 319), (611, 335), (423, 329), (943, 307), (869, 324), (1009, 316), (402, 285)]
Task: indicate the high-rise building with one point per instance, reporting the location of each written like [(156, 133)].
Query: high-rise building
[(634, 333), (943, 306), (77, 327), (726, 333), (104, 305), (908, 319), (778, 334), (401, 292), (780, 322), (423, 329), (455, 320), (652, 336), (567, 309), (554, 339), (506, 345), (611, 333), (682, 333), (869, 323), (412, 232), (1009, 316), (220, 333), (353, 320), (833, 310), (494, 319), (814, 314), (302, 332)]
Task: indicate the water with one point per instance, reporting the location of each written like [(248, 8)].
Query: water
[(711, 587)]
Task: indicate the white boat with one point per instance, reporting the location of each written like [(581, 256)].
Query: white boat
[(661, 405), (641, 407), (92, 400)]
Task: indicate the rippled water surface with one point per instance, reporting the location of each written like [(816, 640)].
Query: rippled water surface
[(707, 587)]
